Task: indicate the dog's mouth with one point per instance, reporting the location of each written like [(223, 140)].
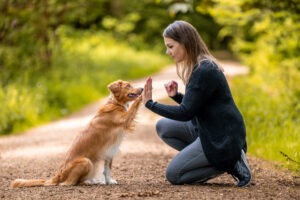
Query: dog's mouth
[(135, 95)]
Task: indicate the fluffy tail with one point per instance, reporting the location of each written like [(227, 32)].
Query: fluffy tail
[(27, 183)]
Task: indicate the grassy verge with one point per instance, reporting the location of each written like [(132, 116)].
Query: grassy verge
[(272, 120), (83, 65)]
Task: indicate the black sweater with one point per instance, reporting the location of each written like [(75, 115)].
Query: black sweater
[(209, 104)]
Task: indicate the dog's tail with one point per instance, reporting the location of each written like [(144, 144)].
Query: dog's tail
[(27, 183)]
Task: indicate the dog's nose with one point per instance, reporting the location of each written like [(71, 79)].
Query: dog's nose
[(142, 89)]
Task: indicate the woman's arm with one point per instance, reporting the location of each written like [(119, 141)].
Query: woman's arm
[(178, 97), (199, 90)]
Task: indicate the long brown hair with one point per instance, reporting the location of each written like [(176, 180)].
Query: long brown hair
[(196, 50)]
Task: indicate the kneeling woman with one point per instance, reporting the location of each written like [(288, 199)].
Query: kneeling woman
[(206, 127)]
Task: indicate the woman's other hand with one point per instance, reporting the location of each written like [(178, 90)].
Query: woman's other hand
[(171, 88), (147, 93)]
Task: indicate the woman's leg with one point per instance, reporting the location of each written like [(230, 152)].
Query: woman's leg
[(177, 134), (191, 165)]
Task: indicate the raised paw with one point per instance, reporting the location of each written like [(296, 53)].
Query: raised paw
[(140, 98)]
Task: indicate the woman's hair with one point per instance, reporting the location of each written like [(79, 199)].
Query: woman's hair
[(196, 50)]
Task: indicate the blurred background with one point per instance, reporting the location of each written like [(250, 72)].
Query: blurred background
[(59, 55)]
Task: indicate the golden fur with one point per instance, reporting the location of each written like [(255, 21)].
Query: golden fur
[(98, 142)]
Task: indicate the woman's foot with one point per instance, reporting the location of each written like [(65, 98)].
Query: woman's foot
[(241, 171)]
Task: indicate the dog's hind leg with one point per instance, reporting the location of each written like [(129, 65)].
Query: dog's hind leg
[(107, 166), (76, 171)]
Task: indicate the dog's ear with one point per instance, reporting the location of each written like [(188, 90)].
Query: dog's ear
[(115, 87)]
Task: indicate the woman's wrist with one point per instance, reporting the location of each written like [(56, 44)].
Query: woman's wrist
[(174, 95), (178, 97), (148, 103)]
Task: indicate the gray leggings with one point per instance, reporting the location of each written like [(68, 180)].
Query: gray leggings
[(190, 164)]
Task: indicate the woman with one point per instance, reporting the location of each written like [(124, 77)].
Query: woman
[(206, 127)]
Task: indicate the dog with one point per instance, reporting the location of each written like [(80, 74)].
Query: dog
[(97, 143)]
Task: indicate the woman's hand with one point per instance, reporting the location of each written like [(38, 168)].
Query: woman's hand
[(147, 93), (171, 88)]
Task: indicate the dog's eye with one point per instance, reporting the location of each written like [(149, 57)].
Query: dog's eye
[(128, 86)]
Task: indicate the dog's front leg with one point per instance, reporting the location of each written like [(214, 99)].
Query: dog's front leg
[(107, 166), (130, 114)]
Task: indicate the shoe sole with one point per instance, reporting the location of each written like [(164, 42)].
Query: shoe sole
[(246, 163)]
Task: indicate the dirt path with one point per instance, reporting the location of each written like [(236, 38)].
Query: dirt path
[(139, 167)]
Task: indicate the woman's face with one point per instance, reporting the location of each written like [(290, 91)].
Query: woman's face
[(175, 49)]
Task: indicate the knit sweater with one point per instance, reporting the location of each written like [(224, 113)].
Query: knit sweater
[(209, 104)]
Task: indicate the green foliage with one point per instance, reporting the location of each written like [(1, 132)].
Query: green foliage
[(273, 125), (19, 108), (84, 63), (28, 29)]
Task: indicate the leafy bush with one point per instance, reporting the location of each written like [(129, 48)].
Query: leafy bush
[(83, 64)]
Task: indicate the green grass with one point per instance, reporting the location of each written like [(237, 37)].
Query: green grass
[(83, 65), (272, 120)]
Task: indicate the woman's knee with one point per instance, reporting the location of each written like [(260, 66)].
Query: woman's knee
[(161, 127), (172, 176)]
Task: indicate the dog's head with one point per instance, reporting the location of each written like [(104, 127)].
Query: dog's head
[(123, 91)]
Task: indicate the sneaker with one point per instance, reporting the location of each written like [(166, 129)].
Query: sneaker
[(241, 172)]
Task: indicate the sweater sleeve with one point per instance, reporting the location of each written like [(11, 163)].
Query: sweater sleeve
[(178, 98), (198, 92)]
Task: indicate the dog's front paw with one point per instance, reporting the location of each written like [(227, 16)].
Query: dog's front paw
[(140, 98), (111, 182)]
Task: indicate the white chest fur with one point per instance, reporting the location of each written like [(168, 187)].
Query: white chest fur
[(114, 148)]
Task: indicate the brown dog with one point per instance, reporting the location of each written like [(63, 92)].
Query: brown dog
[(97, 143)]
